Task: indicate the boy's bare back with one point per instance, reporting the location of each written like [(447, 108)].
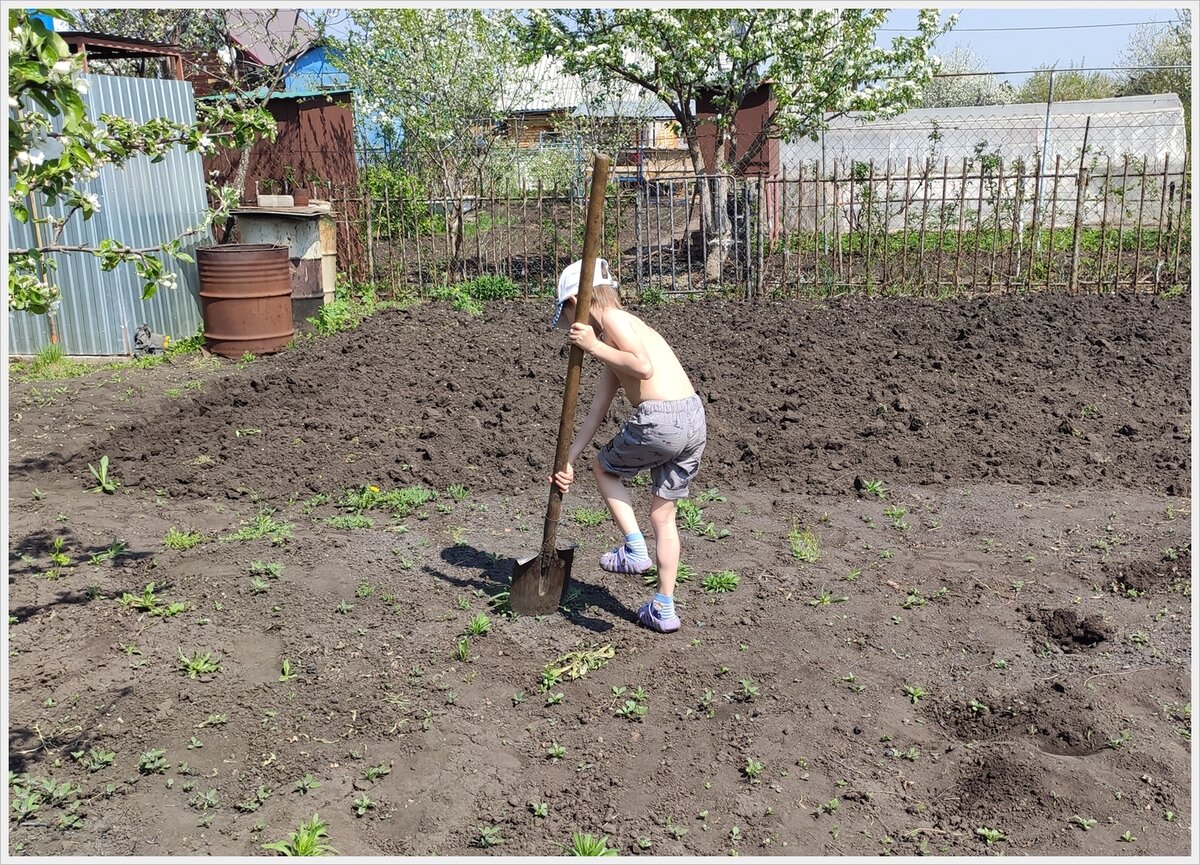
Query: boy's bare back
[(667, 381)]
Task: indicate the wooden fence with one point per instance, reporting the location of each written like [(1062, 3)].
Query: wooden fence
[(929, 229)]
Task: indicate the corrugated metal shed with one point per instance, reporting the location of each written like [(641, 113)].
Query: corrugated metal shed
[(142, 204)]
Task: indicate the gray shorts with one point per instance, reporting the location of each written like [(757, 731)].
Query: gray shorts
[(665, 436)]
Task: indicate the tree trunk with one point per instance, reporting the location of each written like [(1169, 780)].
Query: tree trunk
[(720, 229), (243, 169), (714, 201)]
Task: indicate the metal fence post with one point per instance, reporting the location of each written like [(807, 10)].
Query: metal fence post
[(1080, 188), (1045, 146)]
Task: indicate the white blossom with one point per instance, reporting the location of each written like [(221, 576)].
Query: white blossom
[(13, 103), (92, 200), (81, 85), (168, 280), (204, 144), (62, 67), (36, 157), (22, 157)]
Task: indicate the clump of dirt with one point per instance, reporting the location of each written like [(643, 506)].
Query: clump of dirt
[(1072, 633)]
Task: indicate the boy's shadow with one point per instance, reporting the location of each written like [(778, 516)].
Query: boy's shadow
[(493, 574)]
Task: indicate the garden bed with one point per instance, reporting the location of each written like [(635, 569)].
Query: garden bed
[(961, 538)]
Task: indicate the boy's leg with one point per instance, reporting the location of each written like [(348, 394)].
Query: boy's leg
[(617, 498), (631, 557), (666, 544), (659, 613)]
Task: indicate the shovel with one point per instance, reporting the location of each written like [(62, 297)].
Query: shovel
[(539, 582)]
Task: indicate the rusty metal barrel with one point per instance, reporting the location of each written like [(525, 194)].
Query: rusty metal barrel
[(245, 298)]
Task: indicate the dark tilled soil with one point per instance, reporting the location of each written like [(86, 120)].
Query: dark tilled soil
[(1048, 391), (1001, 643)]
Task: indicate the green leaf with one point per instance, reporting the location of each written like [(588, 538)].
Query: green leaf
[(45, 101)]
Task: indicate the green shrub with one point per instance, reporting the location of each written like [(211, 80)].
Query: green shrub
[(352, 303), (406, 213), (490, 287)]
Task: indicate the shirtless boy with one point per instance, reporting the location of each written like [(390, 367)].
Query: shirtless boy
[(665, 434)]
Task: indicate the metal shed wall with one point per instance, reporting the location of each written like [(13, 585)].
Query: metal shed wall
[(142, 204)]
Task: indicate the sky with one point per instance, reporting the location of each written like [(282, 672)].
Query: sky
[(988, 32), (1006, 49)]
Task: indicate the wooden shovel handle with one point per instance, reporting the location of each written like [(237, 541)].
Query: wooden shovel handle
[(583, 305)]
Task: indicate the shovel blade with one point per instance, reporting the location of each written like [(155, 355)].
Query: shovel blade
[(539, 583)]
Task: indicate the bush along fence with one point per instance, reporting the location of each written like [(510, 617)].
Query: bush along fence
[(1099, 224)]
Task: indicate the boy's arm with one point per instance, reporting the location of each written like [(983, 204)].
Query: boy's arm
[(606, 390), (628, 353)]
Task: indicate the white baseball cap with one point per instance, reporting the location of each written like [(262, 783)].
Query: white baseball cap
[(568, 283)]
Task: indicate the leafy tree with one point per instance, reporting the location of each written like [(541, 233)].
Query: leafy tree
[(963, 81), (1070, 85), (821, 63), (55, 149), (447, 78), (1154, 45)]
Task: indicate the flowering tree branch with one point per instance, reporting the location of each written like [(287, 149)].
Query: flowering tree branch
[(50, 161)]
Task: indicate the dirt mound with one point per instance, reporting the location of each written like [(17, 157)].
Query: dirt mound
[(801, 396), (1070, 632), (1144, 577)]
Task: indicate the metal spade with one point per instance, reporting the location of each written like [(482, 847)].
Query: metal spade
[(540, 581)]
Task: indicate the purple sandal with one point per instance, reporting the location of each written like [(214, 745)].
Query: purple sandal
[(618, 561), (650, 619)]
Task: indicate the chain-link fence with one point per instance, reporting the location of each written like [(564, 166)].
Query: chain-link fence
[(1150, 128)]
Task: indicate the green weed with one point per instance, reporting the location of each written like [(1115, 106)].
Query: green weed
[(114, 549), (306, 784), (270, 570), (462, 650), (308, 840), (401, 502), (198, 664), (590, 516), (991, 836), (177, 540), (349, 521), (104, 482), (374, 773), (586, 844), (263, 525), (153, 763), (721, 581), (489, 836), (94, 759), (478, 626), (805, 545)]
